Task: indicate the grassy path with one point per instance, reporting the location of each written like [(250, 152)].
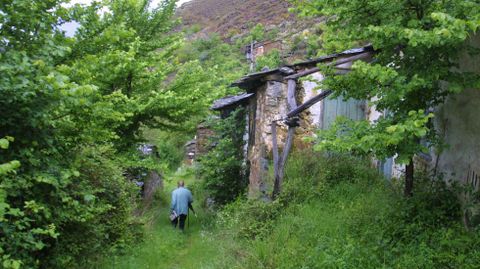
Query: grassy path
[(166, 248)]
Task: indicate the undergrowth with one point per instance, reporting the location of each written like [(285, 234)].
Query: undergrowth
[(336, 211)]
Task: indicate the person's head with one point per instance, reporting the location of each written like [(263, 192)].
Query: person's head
[(181, 183)]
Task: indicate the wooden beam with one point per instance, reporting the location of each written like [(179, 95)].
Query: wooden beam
[(286, 151), (333, 63), (343, 68), (275, 150), (291, 101), (292, 105), (310, 102)]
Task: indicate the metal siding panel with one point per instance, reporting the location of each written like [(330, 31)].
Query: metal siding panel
[(387, 168), (331, 107), (334, 107)]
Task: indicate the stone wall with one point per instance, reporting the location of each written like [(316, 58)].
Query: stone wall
[(458, 124), (203, 143), (190, 148), (269, 104)]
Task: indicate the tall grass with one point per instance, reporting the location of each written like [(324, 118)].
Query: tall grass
[(164, 247), (337, 212)]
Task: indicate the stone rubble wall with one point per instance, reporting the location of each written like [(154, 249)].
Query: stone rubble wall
[(269, 104)]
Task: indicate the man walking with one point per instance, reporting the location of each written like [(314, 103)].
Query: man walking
[(181, 200)]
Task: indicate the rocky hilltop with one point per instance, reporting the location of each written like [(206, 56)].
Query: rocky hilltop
[(230, 17)]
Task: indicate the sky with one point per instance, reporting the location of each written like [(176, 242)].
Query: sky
[(71, 27)]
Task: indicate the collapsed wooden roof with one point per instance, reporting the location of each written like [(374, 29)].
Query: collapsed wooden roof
[(230, 101), (253, 80)]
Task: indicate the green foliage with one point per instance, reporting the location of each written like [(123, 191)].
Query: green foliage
[(417, 43), (76, 107), (8, 167), (164, 247), (249, 219), (170, 147), (272, 59), (382, 139), (320, 171), (257, 33), (336, 212), (308, 175), (209, 65), (222, 168)]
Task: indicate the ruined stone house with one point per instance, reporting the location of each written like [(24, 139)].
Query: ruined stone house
[(199, 145), (257, 49), (265, 100)]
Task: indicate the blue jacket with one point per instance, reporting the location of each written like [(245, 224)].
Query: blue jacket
[(180, 199)]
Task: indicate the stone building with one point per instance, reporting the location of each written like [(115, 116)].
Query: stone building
[(458, 125), (266, 101)]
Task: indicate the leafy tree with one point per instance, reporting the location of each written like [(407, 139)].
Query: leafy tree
[(418, 44), (272, 59), (76, 107), (222, 168), (205, 69), (8, 167)]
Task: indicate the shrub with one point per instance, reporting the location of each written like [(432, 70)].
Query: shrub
[(272, 59), (337, 212), (309, 173), (249, 219), (60, 218), (222, 168)]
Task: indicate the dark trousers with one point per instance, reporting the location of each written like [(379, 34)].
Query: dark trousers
[(179, 220)]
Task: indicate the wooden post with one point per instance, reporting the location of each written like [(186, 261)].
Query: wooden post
[(409, 170), (292, 104), (276, 161), (252, 56)]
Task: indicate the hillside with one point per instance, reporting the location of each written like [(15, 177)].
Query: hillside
[(230, 17)]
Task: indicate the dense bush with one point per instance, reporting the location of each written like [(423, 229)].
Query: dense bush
[(271, 60), (309, 173), (222, 168), (249, 219), (102, 220), (75, 108), (336, 212)]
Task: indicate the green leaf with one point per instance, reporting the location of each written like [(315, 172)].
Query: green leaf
[(89, 197), (4, 143), (391, 129)]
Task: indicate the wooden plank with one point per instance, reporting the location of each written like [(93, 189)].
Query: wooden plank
[(292, 104), (275, 150), (286, 151), (291, 101), (333, 63), (310, 102)]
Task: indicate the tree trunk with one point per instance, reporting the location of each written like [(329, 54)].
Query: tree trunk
[(409, 169)]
